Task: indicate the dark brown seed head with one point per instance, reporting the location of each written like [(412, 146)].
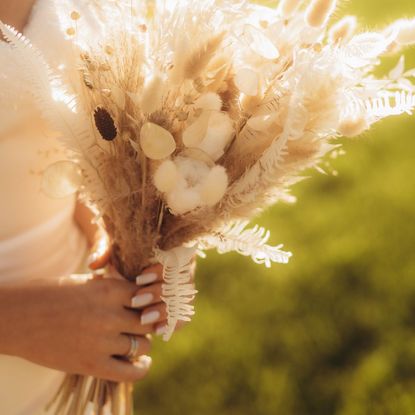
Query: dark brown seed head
[(105, 124)]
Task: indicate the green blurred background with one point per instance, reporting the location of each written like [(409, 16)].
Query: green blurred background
[(333, 332)]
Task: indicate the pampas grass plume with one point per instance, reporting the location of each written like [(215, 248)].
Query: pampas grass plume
[(319, 12)]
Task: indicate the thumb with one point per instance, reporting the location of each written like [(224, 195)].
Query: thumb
[(100, 252)]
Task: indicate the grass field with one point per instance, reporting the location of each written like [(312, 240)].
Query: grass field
[(333, 332)]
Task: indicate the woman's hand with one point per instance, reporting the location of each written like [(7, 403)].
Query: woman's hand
[(147, 299), (76, 328)]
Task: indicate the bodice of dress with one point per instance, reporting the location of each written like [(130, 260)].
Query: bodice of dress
[(38, 235)]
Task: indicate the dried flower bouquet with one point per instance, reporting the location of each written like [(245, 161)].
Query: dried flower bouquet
[(191, 117)]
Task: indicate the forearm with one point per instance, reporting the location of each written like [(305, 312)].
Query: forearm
[(13, 314), (16, 13)]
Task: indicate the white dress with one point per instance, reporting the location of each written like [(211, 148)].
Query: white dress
[(38, 235)]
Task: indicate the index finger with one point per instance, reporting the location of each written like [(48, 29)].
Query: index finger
[(150, 275)]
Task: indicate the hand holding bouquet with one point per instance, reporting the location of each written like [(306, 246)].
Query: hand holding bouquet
[(189, 118)]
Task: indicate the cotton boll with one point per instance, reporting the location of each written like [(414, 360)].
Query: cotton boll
[(319, 12), (406, 34), (214, 186), (156, 142), (183, 200), (194, 134), (343, 29), (152, 98), (247, 81), (288, 7), (193, 171), (352, 127), (166, 176), (209, 102), (219, 134)]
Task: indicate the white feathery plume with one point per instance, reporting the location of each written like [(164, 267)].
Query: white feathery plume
[(178, 290), (235, 237)]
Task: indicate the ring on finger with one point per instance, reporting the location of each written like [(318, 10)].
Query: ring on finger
[(133, 353)]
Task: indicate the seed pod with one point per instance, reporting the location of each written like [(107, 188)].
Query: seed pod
[(105, 124), (156, 142)]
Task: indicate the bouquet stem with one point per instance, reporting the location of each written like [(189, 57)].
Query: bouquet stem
[(85, 395)]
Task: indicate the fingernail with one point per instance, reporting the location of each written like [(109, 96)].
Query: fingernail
[(144, 362), (142, 300), (92, 258), (146, 278), (149, 318), (161, 330)]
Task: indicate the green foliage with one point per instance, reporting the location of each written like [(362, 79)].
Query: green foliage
[(333, 332)]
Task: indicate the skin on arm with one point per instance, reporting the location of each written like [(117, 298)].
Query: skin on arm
[(16, 12)]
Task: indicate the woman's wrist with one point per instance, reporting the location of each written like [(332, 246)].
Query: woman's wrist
[(11, 319)]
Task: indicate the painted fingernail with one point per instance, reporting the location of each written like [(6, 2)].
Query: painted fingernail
[(150, 317), (144, 362), (92, 258), (142, 300), (161, 330), (146, 278)]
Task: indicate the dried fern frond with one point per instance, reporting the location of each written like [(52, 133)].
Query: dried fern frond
[(235, 237)]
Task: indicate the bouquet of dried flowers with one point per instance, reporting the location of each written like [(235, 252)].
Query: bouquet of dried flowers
[(191, 117)]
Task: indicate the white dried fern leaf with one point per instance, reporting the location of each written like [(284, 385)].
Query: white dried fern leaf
[(178, 290), (391, 104), (235, 237)]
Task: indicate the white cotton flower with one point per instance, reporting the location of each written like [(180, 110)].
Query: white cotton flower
[(166, 176), (214, 186), (219, 134), (211, 132), (183, 200), (194, 134), (196, 184)]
